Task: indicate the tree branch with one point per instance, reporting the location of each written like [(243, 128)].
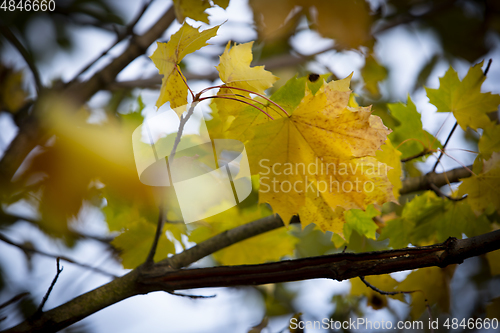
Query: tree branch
[(128, 31), (338, 267), (221, 241), (154, 81), (424, 182), (27, 56), (30, 132), (341, 266), (30, 249)]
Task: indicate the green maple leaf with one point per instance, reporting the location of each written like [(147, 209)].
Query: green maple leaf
[(409, 135), (361, 221), (483, 190), (135, 243), (428, 219), (464, 98), (489, 141)]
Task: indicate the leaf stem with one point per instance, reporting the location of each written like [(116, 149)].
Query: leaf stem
[(183, 79), (243, 96), (249, 91), (239, 100), (260, 95)]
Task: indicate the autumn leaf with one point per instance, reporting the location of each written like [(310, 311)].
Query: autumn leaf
[(347, 22), (464, 98), (323, 150), (135, 242), (12, 93), (288, 97), (195, 9), (493, 309), (270, 246), (235, 71), (489, 142), (81, 155), (375, 299), (429, 219), (361, 221), (483, 190), (373, 73), (431, 286), (167, 56), (392, 158), (494, 262), (409, 137)]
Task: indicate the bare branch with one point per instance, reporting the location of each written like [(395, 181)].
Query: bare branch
[(339, 266), (14, 299), (424, 182), (28, 58), (30, 249), (128, 31)]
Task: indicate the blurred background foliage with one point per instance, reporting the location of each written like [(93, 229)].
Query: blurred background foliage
[(89, 166)]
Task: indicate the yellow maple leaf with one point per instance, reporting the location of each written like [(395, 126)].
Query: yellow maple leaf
[(194, 9), (494, 262), (326, 148), (167, 56), (235, 71), (392, 157), (270, 246), (431, 286)]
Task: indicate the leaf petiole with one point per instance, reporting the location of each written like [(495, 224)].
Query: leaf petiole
[(249, 91), (235, 99)]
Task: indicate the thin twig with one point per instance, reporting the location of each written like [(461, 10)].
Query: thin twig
[(128, 31), (190, 296), (382, 292), (183, 122), (45, 254), (46, 297), (28, 58), (441, 194), (161, 217), (444, 146), (422, 153), (159, 229), (13, 299)]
